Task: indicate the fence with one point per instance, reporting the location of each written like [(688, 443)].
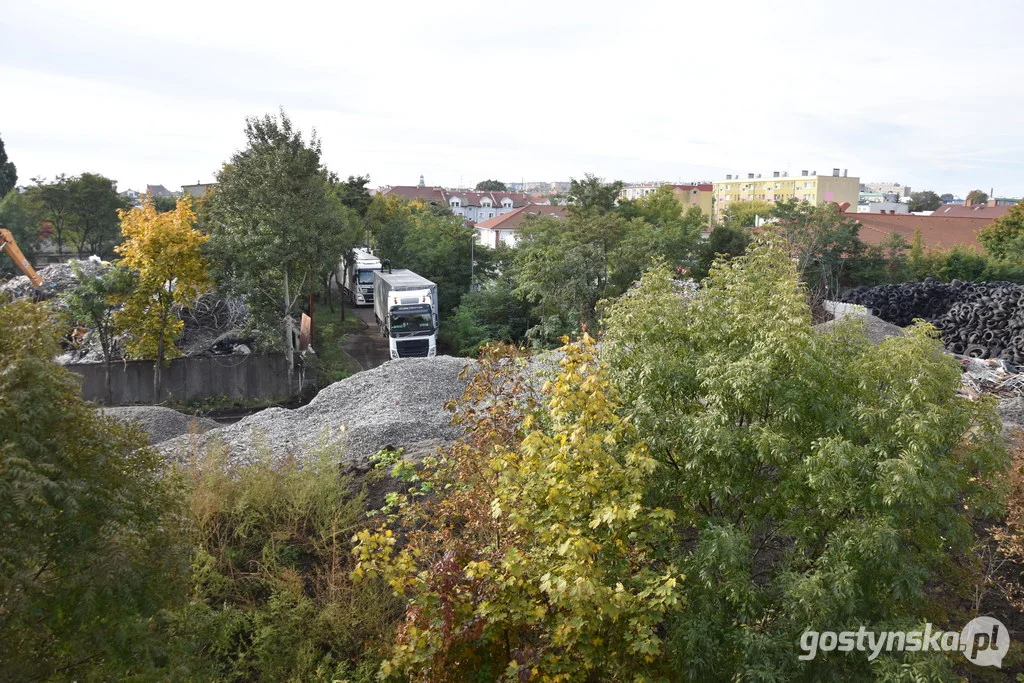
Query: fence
[(250, 377)]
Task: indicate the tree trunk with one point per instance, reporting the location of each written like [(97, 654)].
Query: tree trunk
[(156, 369), (289, 348), (108, 391)]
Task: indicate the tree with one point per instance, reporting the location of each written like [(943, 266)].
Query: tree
[(491, 186), (163, 251), (275, 226), (977, 198), (18, 215), (924, 201), (725, 242), (947, 198), (542, 560), (744, 213), (56, 207), (8, 172), (798, 468), (821, 241), (93, 302), (95, 206), (353, 194), (592, 196), (89, 556), (164, 203), (1004, 238)]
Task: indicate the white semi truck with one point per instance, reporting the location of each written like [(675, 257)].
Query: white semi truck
[(405, 305), (355, 273)]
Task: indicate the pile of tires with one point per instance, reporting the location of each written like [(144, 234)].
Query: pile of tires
[(976, 319)]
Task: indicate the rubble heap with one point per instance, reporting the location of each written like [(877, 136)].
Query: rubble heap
[(57, 279)]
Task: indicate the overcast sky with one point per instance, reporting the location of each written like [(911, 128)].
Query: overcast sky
[(926, 93)]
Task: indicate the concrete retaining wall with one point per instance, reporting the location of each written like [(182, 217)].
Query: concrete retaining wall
[(251, 377)]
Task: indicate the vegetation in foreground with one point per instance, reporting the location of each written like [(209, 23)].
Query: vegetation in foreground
[(683, 504)]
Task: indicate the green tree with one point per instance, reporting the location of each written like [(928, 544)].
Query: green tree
[(56, 206), (924, 201), (164, 203), (8, 172), (89, 556), (163, 252), (18, 215), (491, 186), (275, 226), (92, 302), (592, 196), (798, 467), (1004, 238), (977, 197), (821, 240), (744, 213), (725, 242), (353, 193), (95, 205)]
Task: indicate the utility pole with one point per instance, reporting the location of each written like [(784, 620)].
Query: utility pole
[(472, 259)]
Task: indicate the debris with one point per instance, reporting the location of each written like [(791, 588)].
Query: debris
[(57, 278), (993, 376), (877, 329)]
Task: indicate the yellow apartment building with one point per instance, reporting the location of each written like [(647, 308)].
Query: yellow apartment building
[(696, 194), (809, 186)]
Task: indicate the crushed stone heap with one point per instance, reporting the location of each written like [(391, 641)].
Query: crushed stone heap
[(399, 404), (161, 423)]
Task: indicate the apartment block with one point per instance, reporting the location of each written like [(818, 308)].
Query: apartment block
[(695, 194), (780, 187)]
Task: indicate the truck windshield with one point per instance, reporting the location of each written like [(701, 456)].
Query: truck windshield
[(364, 277), (407, 322)]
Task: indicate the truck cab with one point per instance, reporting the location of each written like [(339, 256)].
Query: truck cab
[(405, 306), (356, 276)]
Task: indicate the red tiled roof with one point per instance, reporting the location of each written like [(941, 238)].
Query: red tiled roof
[(440, 195), (936, 231), (512, 219), (961, 211)]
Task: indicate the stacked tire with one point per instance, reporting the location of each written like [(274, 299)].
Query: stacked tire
[(976, 319)]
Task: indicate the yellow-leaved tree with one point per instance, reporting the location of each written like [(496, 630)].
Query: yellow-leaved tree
[(164, 251)]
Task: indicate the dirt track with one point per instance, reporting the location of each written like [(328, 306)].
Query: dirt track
[(366, 347)]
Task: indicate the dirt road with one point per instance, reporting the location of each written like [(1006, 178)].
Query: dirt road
[(365, 346)]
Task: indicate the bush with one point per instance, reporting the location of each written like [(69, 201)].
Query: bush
[(88, 556), (271, 594)]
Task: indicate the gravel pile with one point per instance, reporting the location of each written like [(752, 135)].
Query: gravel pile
[(399, 404), (876, 328), (161, 423)]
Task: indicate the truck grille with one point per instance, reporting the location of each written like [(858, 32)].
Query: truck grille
[(413, 348)]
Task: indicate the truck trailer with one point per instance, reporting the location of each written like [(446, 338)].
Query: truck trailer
[(355, 273), (405, 306)]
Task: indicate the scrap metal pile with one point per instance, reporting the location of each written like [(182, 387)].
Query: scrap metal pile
[(976, 319)]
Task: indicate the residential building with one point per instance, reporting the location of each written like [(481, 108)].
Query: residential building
[(504, 228), (808, 186), (472, 206), (158, 191), (638, 190), (696, 194), (199, 189), (887, 188), (883, 207)]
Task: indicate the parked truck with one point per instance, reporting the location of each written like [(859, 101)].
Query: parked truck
[(405, 305), (355, 273)]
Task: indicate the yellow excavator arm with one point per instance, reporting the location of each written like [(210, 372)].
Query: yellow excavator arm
[(8, 244)]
